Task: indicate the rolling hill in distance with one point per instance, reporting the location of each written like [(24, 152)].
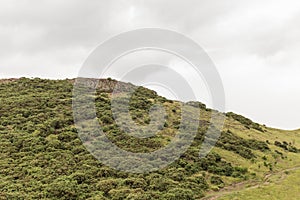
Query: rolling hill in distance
[(42, 157)]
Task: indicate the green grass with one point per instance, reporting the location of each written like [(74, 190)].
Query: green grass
[(287, 189)]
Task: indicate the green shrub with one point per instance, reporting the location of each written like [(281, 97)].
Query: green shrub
[(216, 180)]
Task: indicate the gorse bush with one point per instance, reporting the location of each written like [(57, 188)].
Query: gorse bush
[(245, 121), (287, 146), (241, 146)]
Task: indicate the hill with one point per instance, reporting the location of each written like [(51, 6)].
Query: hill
[(42, 157)]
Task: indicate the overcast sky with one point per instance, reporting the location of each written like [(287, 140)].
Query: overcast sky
[(255, 44)]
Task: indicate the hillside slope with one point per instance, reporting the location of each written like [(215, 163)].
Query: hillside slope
[(42, 157)]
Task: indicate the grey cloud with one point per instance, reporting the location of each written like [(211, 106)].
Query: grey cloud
[(255, 44)]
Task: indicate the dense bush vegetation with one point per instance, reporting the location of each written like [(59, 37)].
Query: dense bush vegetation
[(42, 156), (241, 146), (245, 121), (287, 146)]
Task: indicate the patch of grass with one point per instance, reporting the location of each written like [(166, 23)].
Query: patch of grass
[(282, 190)]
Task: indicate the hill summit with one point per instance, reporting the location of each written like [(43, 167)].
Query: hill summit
[(42, 156)]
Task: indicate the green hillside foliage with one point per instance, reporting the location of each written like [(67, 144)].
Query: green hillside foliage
[(42, 157), (245, 121)]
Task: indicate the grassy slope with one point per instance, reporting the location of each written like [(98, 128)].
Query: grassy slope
[(282, 186), (41, 153), (281, 183), (278, 185)]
